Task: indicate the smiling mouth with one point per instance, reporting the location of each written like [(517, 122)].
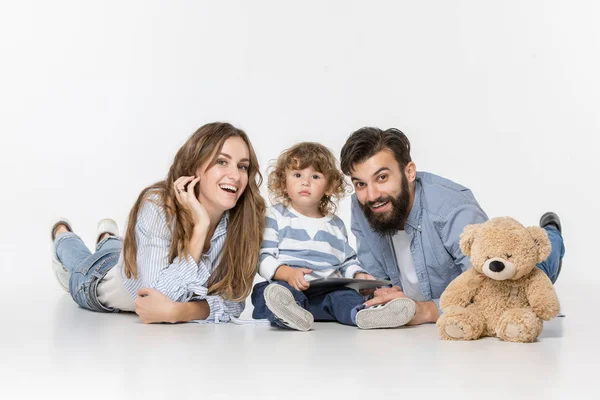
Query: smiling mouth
[(229, 188), (379, 205)]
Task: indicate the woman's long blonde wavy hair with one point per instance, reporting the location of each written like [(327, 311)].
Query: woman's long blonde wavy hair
[(233, 277)]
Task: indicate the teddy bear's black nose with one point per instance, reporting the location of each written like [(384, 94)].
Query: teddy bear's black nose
[(496, 266)]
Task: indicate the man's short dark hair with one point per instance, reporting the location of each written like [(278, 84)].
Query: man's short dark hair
[(368, 141)]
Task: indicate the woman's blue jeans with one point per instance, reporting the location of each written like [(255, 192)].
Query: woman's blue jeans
[(87, 269)]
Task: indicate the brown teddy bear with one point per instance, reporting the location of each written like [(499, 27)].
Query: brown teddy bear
[(504, 294)]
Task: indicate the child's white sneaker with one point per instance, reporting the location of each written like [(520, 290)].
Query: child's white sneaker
[(60, 272), (397, 312), (281, 302)]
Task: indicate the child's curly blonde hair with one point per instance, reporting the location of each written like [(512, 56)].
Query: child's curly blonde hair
[(304, 155)]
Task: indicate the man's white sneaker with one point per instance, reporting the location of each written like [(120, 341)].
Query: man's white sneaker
[(397, 312), (281, 302), (60, 272)]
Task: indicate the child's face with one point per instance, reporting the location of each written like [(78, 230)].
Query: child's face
[(305, 188)]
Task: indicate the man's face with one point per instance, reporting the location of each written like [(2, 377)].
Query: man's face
[(383, 192)]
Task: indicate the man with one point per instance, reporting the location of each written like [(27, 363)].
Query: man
[(408, 224)]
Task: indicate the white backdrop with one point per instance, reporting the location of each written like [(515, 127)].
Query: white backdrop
[(96, 97)]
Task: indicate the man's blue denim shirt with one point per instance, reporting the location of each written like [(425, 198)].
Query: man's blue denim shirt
[(440, 212)]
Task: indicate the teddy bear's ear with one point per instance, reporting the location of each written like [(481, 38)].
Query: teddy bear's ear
[(467, 238), (542, 242)]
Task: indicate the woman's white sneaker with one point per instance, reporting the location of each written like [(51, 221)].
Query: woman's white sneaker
[(281, 302), (60, 272), (395, 313), (106, 225)]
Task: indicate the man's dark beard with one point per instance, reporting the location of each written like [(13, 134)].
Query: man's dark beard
[(392, 221)]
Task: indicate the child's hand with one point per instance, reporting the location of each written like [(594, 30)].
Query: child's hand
[(296, 278)]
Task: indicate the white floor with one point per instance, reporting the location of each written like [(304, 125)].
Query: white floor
[(53, 349)]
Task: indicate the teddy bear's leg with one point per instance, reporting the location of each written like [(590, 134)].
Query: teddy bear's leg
[(519, 325), (459, 323)]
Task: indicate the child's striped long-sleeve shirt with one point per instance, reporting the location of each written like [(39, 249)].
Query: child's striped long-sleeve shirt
[(320, 244)]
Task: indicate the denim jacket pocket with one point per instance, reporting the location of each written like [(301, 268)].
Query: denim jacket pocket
[(435, 252)]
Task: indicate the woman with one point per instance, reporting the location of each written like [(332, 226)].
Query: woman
[(191, 247)]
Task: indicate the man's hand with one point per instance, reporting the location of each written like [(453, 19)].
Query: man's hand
[(426, 311), (362, 275), (384, 295)]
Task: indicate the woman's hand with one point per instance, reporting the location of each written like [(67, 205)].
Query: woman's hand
[(152, 306), (186, 197)]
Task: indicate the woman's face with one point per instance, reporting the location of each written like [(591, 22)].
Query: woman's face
[(222, 183)]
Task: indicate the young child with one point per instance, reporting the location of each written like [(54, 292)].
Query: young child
[(305, 240)]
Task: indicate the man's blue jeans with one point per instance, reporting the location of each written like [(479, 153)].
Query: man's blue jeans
[(324, 305), (551, 264)]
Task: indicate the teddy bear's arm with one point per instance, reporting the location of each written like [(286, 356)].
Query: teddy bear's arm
[(461, 290), (542, 296)]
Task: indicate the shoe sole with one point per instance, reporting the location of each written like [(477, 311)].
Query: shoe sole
[(281, 302), (397, 312), (61, 274)]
